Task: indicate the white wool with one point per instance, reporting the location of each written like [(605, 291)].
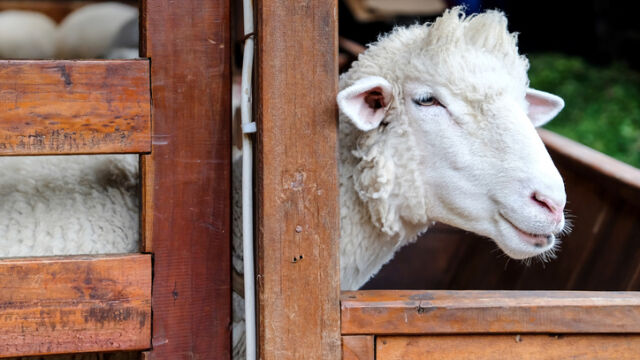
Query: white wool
[(64, 205), (26, 35), (90, 31)]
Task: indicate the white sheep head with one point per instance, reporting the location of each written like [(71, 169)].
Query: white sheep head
[(446, 132)]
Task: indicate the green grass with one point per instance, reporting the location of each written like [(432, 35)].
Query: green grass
[(602, 103)]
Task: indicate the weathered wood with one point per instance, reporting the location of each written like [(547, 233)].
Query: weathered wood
[(297, 182), (56, 9), (450, 312), (358, 347), (74, 107), (75, 304), (520, 347), (146, 208), (187, 192)]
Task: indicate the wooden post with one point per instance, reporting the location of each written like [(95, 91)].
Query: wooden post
[(187, 177), (297, 182)]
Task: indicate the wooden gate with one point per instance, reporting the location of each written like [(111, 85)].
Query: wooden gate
[(100, 303)]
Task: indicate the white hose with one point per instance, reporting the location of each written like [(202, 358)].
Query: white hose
[(248, 126)]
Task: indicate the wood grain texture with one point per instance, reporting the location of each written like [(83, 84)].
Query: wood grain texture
[(358, 347), (297, 188), (56, 9), (75, 304), (187, 194), (449, 312), (146, 208), (74, 107), (509, 347)]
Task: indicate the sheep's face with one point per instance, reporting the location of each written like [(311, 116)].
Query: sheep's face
[(486, 169), (448, 134), (481, 164)]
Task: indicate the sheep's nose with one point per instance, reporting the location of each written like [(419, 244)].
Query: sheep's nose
[(554, 207)]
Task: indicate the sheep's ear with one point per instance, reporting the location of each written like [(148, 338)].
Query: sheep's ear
[(543, 106), (366, 102)]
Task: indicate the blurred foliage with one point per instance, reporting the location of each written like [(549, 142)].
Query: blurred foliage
[(602, 104)]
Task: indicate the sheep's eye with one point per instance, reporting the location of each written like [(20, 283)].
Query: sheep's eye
[(426, 101)]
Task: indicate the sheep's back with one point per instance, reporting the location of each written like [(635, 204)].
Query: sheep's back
[(63, 205)]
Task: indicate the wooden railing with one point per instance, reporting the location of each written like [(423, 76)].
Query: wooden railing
[(490, 324)]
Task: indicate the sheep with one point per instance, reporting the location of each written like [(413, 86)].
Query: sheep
[(64, 205), (26, 35), (90, 31), (437, 123)]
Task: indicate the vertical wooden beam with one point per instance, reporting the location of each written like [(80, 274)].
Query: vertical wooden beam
[(358, 347), (187, 194), (297, 183)]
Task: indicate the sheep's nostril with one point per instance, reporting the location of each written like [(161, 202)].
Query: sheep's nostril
[(542, 201)]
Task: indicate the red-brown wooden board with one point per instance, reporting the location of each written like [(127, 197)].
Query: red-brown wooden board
[(508, 347), (187, 177), (297, 180), (448, 312), (74, 107), (75, 304)]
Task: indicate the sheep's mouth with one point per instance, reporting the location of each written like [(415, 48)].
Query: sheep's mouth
[(536, 240)]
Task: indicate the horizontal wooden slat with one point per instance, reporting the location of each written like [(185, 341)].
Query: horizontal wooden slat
[(74, 107), (508, 347), (75, 304), (447, 312)]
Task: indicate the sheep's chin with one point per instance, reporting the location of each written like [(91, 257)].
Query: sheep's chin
[(519, 245)]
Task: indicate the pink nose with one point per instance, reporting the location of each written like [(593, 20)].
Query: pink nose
[(556, 209)]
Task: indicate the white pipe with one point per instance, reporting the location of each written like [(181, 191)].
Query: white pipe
[(247, 185)]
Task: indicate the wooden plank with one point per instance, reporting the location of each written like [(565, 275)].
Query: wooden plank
[(146, 209), (358, 347), (449, 312), (74, 107), (187, 192), (520, 347), (297, 182), (75, 304)]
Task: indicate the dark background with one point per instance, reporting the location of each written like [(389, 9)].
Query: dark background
[(598, 30)]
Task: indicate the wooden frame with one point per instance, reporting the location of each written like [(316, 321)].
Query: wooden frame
[(103, 303), (187, 177), (392, 324), (297, 188)]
